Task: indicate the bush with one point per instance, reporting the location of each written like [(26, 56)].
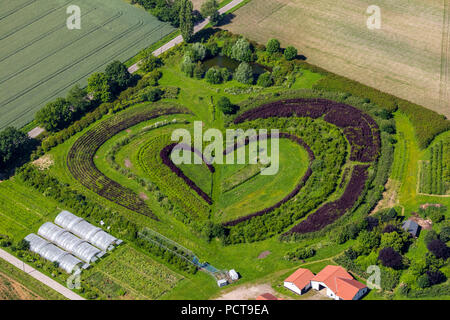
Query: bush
[(224, 104), (290, 53), (436, 277), (244, 73), (265, 80), (423, 281), (395, 240), (150, 63), (300, 253), (430, 236), (444, 235), (152, 94), (390, 258), (188, 66), (439, 249), (199, 71), (273, 46)]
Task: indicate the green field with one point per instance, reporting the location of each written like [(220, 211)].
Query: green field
[(41, 58)]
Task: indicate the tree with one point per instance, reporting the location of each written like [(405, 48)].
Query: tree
[(197, 52), (265, 80), (273, 46), (436, 277), (213, 76), (188, 66), (14, 144), (98, 87), (244, 73), (55, 115), (199, 71), (394, 240), (366, 241), (290, 53), (224, 104), (242, 50), (430, 236), (209, 7), (186, 20), (76, 97), (439, 249), (390, 258), (118, 76)]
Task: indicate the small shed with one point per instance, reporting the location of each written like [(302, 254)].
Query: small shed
[(222, 283), (412, 227), (233, 275)]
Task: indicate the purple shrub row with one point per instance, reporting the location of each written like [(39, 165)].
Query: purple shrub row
[(331, 211)]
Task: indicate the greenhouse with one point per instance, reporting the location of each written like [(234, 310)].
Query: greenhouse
[(67, 241), (52, 253), (86, 231)]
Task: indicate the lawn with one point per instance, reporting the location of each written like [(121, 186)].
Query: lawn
[(403, 58), (41, 58)]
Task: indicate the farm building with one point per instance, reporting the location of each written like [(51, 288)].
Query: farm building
[(67, 241), (267, 296), (86, 231), (52, 253), (300, 281), (412, 227), (339, 283)]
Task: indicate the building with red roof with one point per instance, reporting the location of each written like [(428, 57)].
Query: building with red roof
[(300, 281), (339, 283), (267, 296)]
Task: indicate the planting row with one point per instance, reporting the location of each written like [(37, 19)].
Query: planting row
[(80, 159)]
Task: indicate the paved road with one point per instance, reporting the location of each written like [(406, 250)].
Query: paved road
[(172, 43), (39, 276)]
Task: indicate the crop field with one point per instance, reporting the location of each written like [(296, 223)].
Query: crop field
[(434, 177), (402, 58), (41, 58), (18, 285), (129, 274)]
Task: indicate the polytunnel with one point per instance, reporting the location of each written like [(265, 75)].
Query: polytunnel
[(86, 231), (69, 242), (52, 253)]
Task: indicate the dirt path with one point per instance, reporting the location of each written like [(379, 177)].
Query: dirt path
[(250, 292), (39, 276)]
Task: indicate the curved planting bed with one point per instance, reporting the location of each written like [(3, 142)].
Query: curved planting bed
[(80, 159), (166, 159), (361, 132), (359, 128), (292, 193), (331, 211)]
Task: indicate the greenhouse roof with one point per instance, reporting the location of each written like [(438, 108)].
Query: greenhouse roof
[(69, 242), (52, 253)]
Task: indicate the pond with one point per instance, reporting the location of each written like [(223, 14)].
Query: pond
[(231, 64)]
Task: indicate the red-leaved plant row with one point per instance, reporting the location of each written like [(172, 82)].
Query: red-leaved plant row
[(331, 211), (167, 160), (80, 159), (359, 128), (292, 194)]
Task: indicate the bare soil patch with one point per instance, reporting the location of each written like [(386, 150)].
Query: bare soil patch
[(426, 224), (12, 290), (389, 199), (44, 162), (250, 292), (264, 254), (143, 196), (128, 163)]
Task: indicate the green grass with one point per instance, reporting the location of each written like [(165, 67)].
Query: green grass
[(36, 42), (262, 191), (35, 286), (198, 173)]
